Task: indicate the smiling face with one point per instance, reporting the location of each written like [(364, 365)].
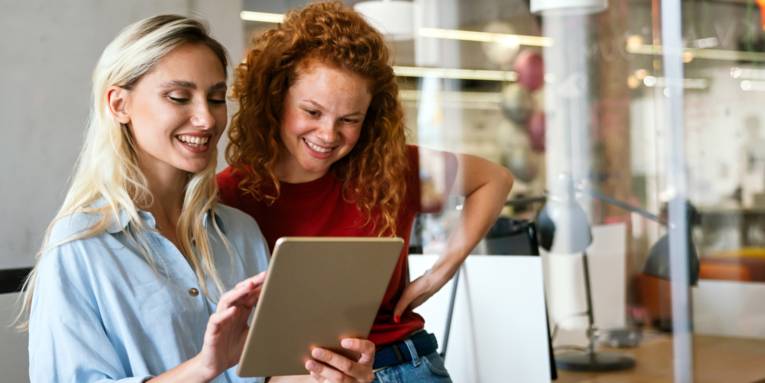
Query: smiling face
[(323, 115), (177, 111)]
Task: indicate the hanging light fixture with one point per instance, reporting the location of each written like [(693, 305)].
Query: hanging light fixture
[(394, 19), (568, 6)]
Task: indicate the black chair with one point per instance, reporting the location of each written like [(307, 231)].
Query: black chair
[(12, 280), (506, 237)]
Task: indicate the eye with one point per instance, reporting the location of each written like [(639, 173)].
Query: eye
[(350, 121), (312, 112), (216, 101), (178, 99)]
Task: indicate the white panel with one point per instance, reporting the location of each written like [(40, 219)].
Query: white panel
[(729, 308), (498, 333)]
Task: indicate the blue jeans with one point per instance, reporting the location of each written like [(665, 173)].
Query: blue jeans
[(422, 369)]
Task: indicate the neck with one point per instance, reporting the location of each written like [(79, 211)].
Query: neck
[(289, 170), (168, 188)]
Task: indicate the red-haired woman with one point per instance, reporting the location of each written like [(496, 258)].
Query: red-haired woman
[(318, 148)]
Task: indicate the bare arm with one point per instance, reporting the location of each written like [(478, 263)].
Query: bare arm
[(485, 186)]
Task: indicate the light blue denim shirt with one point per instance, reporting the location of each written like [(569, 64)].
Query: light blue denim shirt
[(100, 313)]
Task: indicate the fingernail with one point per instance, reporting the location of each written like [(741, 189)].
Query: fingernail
[(317, 353), (396, 318), (309, 365), (346, 343)]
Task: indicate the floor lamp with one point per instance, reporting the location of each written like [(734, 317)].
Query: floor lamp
[(563, 228)]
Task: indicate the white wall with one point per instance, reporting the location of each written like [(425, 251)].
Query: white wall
[(47, 52)]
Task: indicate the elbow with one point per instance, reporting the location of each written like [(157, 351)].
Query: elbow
[(507, 179)]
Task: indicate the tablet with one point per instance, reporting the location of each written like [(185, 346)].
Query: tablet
[(318, 290)]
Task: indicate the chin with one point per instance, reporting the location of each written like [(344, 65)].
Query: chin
[(194, 169)]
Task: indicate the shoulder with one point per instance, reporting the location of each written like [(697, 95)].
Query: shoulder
[(237, 225), (234, 219), (68, 255), (244, 234), (71, 226)]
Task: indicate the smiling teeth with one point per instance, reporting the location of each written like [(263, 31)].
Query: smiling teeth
[(194, 140), (317, 148)]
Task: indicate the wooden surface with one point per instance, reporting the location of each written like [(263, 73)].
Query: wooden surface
[(716, 359)]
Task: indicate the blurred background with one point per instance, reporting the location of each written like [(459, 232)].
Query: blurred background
[(581, 94)]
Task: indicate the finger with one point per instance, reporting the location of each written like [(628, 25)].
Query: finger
[(364, 347), (218, 320), (254, 285), (333, 360), (403, 303), (227, 299), (259, 278), (323, 371), (244, 294)]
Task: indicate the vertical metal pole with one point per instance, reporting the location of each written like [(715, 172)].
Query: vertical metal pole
[(671, 30), (590, 314)]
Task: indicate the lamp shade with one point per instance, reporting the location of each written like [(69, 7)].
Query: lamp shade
[(394, 19), (563, 227), (658, 261)]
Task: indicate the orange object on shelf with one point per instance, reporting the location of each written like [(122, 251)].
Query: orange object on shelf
[(761, 3), (722, 271), (745, 265), (655, 297)]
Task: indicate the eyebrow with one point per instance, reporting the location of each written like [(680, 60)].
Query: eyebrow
[(317, 105), (191, 85)]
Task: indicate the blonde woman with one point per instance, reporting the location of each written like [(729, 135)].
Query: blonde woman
[(142, 275)]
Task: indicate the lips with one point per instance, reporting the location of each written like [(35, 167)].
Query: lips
[(194, 143), (317, 150)]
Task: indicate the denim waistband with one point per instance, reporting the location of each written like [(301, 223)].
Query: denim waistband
[(422, 343)]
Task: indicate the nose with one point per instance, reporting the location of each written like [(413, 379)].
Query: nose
[(202, 117), (326, 131)]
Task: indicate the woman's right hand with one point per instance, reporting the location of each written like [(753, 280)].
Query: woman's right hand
[(227, 328)]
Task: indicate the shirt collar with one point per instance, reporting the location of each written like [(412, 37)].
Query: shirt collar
[(123, 219)]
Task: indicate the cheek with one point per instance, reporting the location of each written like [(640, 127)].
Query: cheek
[(221, 118), (291, 126), (352, 135)]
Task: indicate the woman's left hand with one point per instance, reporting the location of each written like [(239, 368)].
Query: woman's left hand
[(328, 366), (420, 290)]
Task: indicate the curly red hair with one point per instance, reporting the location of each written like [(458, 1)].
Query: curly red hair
[(374, 172)]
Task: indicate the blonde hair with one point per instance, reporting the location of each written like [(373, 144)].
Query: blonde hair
[(107, 167)]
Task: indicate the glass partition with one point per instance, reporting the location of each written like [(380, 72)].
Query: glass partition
[(640, 124)]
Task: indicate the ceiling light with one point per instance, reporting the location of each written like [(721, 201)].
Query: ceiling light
[(394, 19), (568, 6), (502, 38), (688, 83), (456, 73), (747, 73), (711, 54), (753, 86), (262, 17)]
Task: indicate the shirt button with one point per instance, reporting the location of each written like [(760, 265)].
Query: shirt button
[(193, 291)]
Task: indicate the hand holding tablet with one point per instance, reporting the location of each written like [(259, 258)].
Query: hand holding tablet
[(317, 292)]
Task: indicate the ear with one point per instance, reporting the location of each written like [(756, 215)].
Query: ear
[(116, 98)]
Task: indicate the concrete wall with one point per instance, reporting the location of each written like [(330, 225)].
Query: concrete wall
[(47, 52)]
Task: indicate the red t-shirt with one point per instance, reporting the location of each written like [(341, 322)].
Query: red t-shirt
[(317, 208)]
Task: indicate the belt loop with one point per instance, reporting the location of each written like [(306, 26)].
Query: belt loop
[(413, 352)]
